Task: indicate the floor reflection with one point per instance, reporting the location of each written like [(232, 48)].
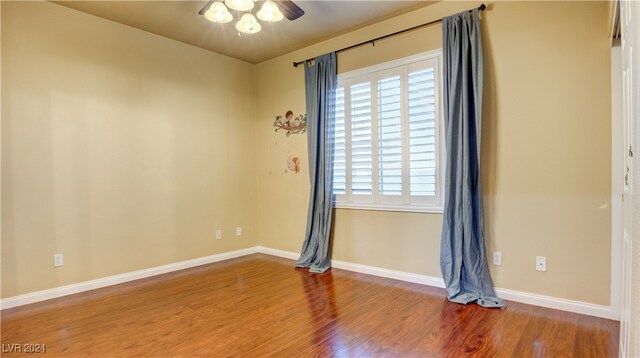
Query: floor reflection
[(320, 294)]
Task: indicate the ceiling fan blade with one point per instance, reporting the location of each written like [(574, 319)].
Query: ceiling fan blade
[(205, 8), (290, 10)]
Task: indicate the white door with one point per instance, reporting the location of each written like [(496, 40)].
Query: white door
[(629, 44)]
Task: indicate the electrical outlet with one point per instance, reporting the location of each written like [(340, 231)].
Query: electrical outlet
[(218, 234), (497, 258), (541, 263), (238, 231), (58, 260)]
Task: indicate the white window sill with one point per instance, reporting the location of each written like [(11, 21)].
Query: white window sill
[(390, 207)]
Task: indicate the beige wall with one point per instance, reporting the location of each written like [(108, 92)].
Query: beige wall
[(121, 149), (546, 150)]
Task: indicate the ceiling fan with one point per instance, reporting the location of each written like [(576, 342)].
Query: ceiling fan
[(271, 11), (288, 8)]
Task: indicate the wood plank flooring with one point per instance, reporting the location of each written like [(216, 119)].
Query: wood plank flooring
[(259, 305)]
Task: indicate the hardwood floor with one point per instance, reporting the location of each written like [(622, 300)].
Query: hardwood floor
[(260, 305)]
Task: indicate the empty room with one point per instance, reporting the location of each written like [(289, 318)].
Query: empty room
[(278, 178)]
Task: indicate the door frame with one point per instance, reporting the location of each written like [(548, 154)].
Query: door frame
[(617, 167)]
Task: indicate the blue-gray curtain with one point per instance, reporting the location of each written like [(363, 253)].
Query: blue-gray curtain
[(462, 252), (320, 88)]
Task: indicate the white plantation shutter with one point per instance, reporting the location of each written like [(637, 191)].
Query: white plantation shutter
[(390, 136), (422, 133), (361, 147), (388, 153), (340, 154)]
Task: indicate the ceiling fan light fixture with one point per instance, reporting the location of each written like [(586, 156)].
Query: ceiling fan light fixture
[(248, 24), (218, 13), (270, 12), (239, 5)]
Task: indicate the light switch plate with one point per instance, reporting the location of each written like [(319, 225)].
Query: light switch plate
[(497, 258)]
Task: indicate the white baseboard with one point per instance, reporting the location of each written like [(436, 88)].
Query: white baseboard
[(393, 274), (561, 304), (114, 280), (517, 296), (585, 308), (279, 253), (370, 270)]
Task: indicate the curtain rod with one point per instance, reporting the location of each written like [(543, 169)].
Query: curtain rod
[(373, 41)]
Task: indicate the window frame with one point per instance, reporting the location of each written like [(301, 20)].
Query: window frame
[(380, 202)]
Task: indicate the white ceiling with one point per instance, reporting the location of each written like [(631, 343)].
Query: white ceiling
[(179, 20)]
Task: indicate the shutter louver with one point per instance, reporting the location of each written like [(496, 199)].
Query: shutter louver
[(339, 154), (361, 156), (422, 137), (390, 136)]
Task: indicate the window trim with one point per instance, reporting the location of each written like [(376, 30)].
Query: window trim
[(349, 77)]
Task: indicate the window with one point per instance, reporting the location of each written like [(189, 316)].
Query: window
[(388, 151)]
